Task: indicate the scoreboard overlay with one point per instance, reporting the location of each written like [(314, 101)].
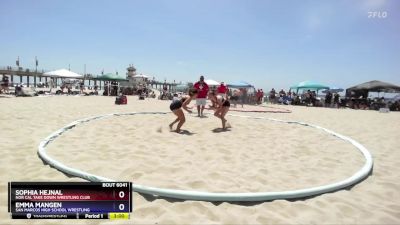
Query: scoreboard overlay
[(70, 200)]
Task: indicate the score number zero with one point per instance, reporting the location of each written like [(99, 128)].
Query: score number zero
[(121, 194)]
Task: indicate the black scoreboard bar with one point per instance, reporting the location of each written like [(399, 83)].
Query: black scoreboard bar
[(70, 200)]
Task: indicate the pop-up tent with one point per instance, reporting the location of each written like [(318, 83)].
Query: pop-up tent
[(371, 86), (210, 82), (63, 73), (376, 86), (141, 76), (311, 85), (110, 77), (239, 84)]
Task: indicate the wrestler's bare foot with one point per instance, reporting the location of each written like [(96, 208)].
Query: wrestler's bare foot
[(223, 123)]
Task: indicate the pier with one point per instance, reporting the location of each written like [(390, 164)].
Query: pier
[(34, 77)]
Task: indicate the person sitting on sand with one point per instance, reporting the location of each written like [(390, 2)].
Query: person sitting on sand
[(176, 107), (221, 111)]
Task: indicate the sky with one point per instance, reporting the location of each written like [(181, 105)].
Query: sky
[(267, 43)]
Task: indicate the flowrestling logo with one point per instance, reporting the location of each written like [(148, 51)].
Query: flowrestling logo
[(377, 14)]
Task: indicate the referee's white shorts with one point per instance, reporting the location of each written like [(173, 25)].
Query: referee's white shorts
[(201, 101)]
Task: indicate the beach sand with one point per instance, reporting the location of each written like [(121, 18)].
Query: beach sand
[(252, 156)]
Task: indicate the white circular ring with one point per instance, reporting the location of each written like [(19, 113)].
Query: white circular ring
[(210, 196)]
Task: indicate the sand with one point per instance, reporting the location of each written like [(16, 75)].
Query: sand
[(253, 156)]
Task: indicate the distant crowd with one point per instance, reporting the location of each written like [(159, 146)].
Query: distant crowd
[(308, 98), (330, 99)]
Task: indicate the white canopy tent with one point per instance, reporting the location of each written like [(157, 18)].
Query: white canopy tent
[(63, 73), (212, 82), (141, 75)]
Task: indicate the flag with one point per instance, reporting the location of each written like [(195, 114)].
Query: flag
[(17, 62), (37, 62)]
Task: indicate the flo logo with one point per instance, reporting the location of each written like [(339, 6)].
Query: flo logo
[(28, 215), (377, 14)]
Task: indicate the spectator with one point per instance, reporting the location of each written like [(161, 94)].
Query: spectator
[(336, 100), (282, 93), (272, 94), (296, 100), (328, 99), (243, 95), (4, 84), (313, 98), (261, 96), (81, 87)]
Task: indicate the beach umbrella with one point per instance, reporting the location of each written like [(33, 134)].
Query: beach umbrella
[(63, 73)]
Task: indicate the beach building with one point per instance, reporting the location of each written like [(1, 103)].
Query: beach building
[(134, 80)]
